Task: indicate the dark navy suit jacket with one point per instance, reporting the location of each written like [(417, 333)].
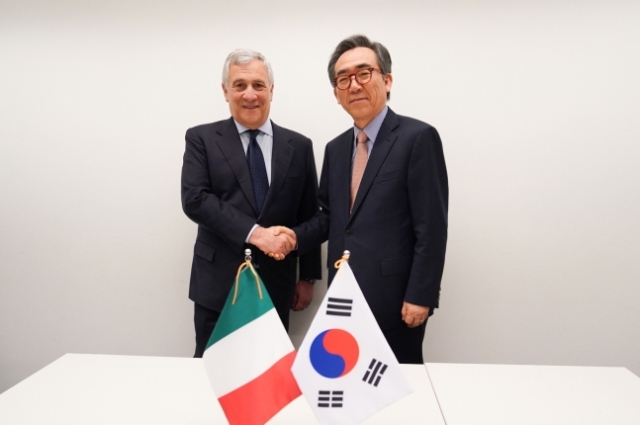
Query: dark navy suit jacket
[(217, 194), (397, 231)]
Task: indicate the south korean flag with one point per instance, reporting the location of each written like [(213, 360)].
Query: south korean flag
[(345, 367)]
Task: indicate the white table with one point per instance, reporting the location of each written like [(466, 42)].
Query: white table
[(540, 395), (96, 389)]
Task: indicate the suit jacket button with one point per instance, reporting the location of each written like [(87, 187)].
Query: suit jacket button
[(348, 233)]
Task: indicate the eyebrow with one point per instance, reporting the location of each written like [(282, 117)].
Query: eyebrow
[(244, 80), (360, 66)]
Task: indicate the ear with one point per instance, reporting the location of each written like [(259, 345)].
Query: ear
[(388, 82), (335, 93), (271, 92), (226, 92)]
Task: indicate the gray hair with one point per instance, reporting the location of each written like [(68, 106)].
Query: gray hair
[(382, 54), (242, 57)]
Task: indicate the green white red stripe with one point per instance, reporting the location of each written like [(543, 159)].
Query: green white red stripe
[(249, 356)]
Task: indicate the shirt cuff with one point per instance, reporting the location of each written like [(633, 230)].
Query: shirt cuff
[(250, 232)]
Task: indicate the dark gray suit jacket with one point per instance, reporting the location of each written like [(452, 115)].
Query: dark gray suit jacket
[(218, 195)]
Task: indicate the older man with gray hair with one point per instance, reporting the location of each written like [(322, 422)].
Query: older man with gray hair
[(240, 177)]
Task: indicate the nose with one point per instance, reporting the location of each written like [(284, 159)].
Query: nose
[(249, 94), (355, 86)]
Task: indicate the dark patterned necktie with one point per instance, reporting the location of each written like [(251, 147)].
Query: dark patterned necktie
[(257, 169)]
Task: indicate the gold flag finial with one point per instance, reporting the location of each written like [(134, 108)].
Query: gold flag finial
[(345, 257)]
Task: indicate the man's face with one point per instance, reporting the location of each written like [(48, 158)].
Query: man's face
[(362, 102), (249, 93)]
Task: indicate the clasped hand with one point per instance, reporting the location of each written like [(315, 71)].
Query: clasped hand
[(276, 241)]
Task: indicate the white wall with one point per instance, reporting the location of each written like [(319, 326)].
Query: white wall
[(537, 103)]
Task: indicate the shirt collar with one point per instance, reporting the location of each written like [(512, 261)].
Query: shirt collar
[(373, 128), (265, 128)]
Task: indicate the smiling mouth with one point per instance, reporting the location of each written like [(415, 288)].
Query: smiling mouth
[(358, 100), (251, 107)]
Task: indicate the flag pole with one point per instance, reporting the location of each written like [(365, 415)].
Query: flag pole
[(247, 264)]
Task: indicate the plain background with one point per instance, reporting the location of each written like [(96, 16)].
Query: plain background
[(537, 103)]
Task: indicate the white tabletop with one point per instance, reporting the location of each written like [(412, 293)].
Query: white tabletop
[(97, 389), (540, 395)]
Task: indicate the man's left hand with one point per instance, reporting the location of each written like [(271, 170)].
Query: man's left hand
[(302, 296), (414, 315)]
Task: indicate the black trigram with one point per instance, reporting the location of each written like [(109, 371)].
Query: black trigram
[(339, 307), (375, 372), (330, 398)]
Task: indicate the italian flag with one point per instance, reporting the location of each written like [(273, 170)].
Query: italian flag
[(249, 355)]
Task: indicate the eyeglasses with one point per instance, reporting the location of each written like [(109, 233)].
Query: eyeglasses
[(363, 76)]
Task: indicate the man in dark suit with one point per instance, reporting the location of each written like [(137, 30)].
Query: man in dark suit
[(241, 176), (384, 197)]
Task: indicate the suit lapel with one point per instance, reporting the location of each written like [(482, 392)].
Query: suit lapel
[(281, 156), (383, 144), (230, 145), (342, 173)]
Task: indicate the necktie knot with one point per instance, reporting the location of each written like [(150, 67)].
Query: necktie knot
[(253, 134), (362, 138)]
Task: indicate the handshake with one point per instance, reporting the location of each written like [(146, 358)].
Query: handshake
[(276, 241)]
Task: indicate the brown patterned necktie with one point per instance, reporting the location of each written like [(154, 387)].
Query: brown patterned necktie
[(359, 164)]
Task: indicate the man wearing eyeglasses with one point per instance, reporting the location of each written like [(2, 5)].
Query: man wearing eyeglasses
[(384, 197)]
